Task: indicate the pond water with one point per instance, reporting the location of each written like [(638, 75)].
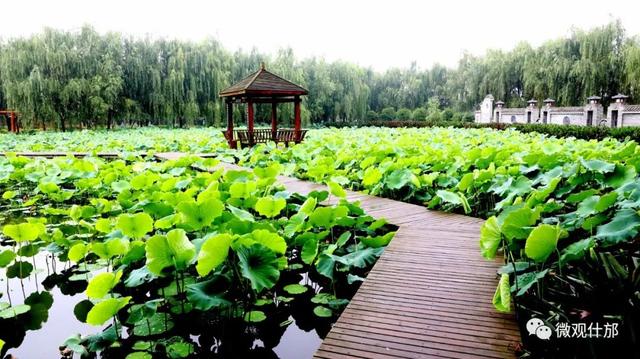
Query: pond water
[(39, 334)]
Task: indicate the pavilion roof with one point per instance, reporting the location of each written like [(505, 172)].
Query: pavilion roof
[(263, 83)]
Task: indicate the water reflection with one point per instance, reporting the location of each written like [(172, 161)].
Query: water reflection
[(39, 332), (53, 292)]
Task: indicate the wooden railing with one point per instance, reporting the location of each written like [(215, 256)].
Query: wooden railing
[(263, 135)]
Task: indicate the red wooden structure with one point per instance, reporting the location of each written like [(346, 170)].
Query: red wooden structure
[(263, 86), (12, 123)]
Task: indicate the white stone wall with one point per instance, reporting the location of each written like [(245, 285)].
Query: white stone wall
[(574, 119), (486, 110), (614, 106), (519, 117), (535, 115), (630, 119)]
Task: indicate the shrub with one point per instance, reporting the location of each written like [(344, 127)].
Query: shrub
[(372, 115), (447, 114), (435, 116), (388, 114), (403, 114), (419, 114)]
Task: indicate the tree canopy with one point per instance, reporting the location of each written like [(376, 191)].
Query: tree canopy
[(62, 79)]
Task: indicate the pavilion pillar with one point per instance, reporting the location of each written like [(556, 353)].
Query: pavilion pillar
[(229, 106), (12, 119), (274, 120), (297, 121), (250, 121)]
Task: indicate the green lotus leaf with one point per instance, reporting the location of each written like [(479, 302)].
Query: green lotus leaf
[(197, 215), (401, 178), (172, 250), (259, 264), (19, 270), (138, 277), (104, 225), (270, 206), (209, 294), (270, 171), (377, 241), (254, 316), (102, 283), (105, 310), (598, 166), (270, 240), (241, 214), (242, 189), (213, 253), (308, 206), (180, 349), (9, 194), (623, 226), (6, 257), (295, 289), (322, 312), (14, 311), (372, 176), (74, 343), (490, 238), (517, 224), (576, 250), (81, 310), (542, 241), (336, 190), (310, 250), (139, 355), (139, 312), (327, 216), (135, 225), (77, 252), (23, 232), (155, 325), (502, 296), (326, 265), (111, 248), (360, 258)]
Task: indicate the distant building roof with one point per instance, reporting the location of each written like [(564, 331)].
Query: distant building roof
[(597, 98), (499, 103), (263, 82), (489, 96), (532, 101), (513, 111), (549, 100), (569, 109), (620, 96)]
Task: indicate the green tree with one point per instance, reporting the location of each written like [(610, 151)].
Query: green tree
[(403, 114), (388, 114), (419, 114)]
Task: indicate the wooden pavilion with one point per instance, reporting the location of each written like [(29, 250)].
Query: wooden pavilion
[(263, 86), (12, 120)]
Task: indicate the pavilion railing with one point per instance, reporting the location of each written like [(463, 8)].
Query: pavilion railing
[(263, 135)]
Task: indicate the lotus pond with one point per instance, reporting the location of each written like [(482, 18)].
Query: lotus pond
[(138, 259), (563, 214)]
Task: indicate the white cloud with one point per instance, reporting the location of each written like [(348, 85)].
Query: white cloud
[(376, 33)]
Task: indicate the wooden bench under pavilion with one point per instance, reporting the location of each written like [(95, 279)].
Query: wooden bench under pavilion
[(263, 86)]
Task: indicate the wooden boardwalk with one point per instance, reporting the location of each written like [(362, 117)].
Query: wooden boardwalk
[(429, 294)]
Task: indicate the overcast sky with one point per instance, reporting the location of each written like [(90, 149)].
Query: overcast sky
[(380, 34)]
